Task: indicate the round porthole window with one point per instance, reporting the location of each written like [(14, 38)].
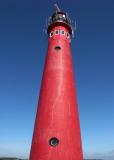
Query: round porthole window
[(53, 142), (57, 48)]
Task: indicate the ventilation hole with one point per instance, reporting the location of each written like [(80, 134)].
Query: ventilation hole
[(57, 48), (54, 142)]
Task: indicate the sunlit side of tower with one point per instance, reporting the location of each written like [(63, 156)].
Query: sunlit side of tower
[(57, 130)]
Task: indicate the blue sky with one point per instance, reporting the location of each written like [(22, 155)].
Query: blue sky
[(23, 47)]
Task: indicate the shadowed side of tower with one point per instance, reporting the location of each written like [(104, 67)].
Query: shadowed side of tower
[(57, 131)]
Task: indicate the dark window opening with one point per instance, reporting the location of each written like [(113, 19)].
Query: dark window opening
[(63, 32), (57, 32), (68, 35), (51, 34), (54, 142), (57, 48)]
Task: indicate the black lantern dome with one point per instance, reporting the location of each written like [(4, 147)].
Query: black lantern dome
[(59, 19)]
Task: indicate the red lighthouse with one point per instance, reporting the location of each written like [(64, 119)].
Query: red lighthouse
[(57, 130)]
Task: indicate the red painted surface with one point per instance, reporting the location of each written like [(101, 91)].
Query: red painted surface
[(57, 114)]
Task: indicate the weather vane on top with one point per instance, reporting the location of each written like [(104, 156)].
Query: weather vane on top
[(57, 8)]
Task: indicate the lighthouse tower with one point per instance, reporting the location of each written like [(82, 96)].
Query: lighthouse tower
[(57, 130)]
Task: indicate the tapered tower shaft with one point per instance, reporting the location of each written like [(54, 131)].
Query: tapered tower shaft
[(57, 131)]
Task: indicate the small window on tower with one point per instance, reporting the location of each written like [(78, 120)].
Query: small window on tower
[(57, 32), (57, 48), (53, 142), (51, 34), (63, 32), (68, 36)]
